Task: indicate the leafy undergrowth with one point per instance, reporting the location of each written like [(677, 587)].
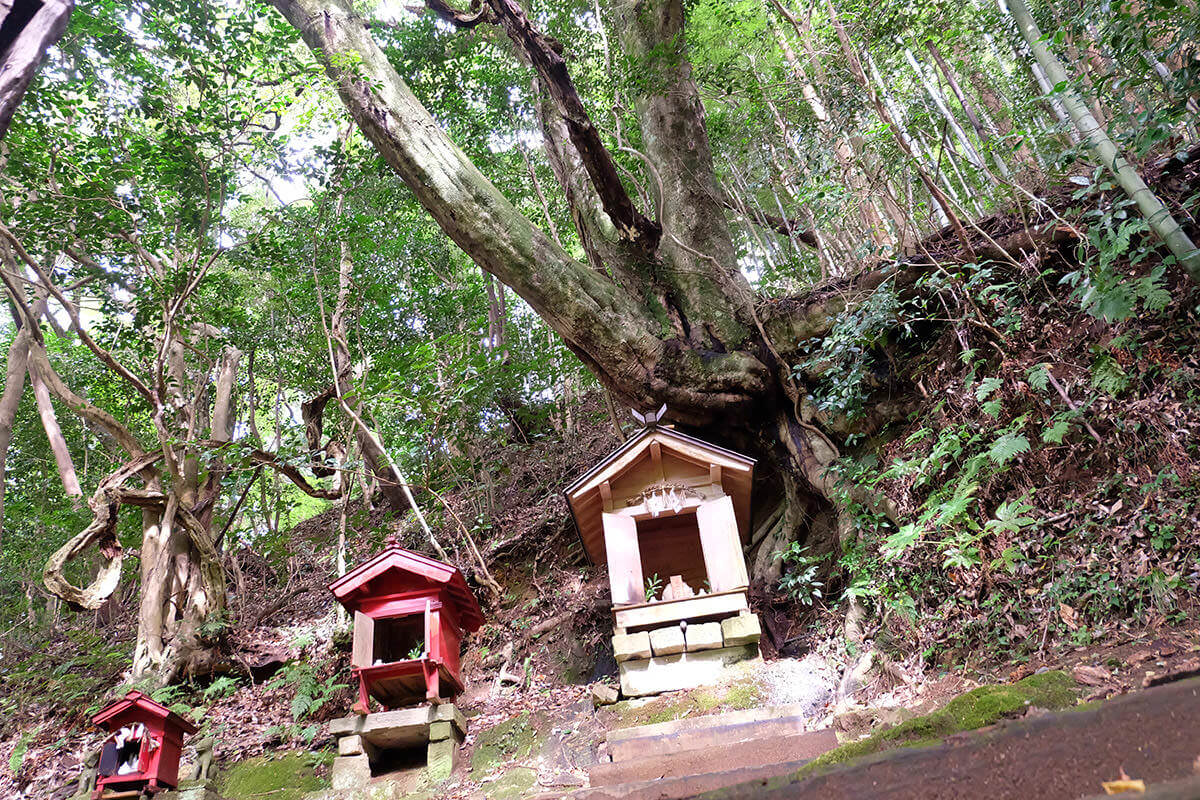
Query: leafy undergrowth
[(1040, 490)]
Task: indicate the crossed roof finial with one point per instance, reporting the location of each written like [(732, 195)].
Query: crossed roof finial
[(650, 418), (392, 540)]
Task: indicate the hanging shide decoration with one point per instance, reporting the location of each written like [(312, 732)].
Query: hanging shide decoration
[(664, 495)]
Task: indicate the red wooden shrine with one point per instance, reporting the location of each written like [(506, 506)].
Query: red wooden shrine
[(410, 613), (143, 747)]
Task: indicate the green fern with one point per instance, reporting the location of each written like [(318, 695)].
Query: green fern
[(1008, 447), (985, 388), (1039, 378), (901, 540), (1055, 433), (1011, 517), (1107, 375)]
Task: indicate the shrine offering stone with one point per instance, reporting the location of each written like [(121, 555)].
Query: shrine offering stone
[(740, 630), (628, 646), (667, 641)]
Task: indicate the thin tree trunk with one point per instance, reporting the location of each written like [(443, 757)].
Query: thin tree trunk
[(899, 132), (1158, 217), (613, 417), (58, 443), (14, 387), (843, 152), (967, 107), (939, 101)]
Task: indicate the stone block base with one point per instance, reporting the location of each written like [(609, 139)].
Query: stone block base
[(740, 630), (350, 772), (361, 739), (627, 646), (683, 671), (667, 641), (704, 636)]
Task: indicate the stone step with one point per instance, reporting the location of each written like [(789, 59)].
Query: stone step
[(685, 786), (692, 733), (757, 751)]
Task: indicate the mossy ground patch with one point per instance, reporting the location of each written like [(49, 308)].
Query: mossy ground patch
[(288, 776), (977, 708)]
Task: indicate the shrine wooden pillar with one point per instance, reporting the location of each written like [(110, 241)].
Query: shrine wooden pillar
[(625, 578), (722, 546)]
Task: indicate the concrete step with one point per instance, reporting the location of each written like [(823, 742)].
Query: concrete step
[(685, 786), (694, 733), (759, 750)]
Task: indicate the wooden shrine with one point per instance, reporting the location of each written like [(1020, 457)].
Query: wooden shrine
[(410, 613), (141, 753), (669, 513)]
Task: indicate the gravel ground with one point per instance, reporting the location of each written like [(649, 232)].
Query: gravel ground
[(807, 682)]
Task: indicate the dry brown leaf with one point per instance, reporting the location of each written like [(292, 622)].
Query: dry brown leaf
[(1068, 615), (1125, 785), (1091, 676), (1138, 657)]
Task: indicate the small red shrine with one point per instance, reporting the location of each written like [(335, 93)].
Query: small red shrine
[(410, 613), (143, 747)]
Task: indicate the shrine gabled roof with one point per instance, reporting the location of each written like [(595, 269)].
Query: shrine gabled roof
[(137, 701), (352, 587), (584, 494), (619, 460)]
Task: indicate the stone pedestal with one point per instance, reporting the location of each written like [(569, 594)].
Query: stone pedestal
[(683, 671), (361, 739), (684, 658), (350, 772)]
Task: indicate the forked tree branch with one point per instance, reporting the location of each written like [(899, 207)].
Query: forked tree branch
[(781, 225), (106, 357), (545, 55)]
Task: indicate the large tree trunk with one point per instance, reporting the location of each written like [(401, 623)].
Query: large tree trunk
[(660, 311)]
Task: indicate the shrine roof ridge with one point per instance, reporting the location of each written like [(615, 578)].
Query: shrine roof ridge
[(647, 433), (142, 701), (412, 562)]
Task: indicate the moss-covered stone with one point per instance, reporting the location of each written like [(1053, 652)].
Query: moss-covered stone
[(504, 742), (514, 784), (977, 708), (677, 705), (284, 777)]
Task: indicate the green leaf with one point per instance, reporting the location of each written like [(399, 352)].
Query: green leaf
[(1055, 433), (901, 540), (1039, 378), (300, 705), (986, 387), (1107, 375), (1007, 447)]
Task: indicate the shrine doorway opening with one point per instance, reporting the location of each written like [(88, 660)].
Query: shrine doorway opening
[(669, 545)]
